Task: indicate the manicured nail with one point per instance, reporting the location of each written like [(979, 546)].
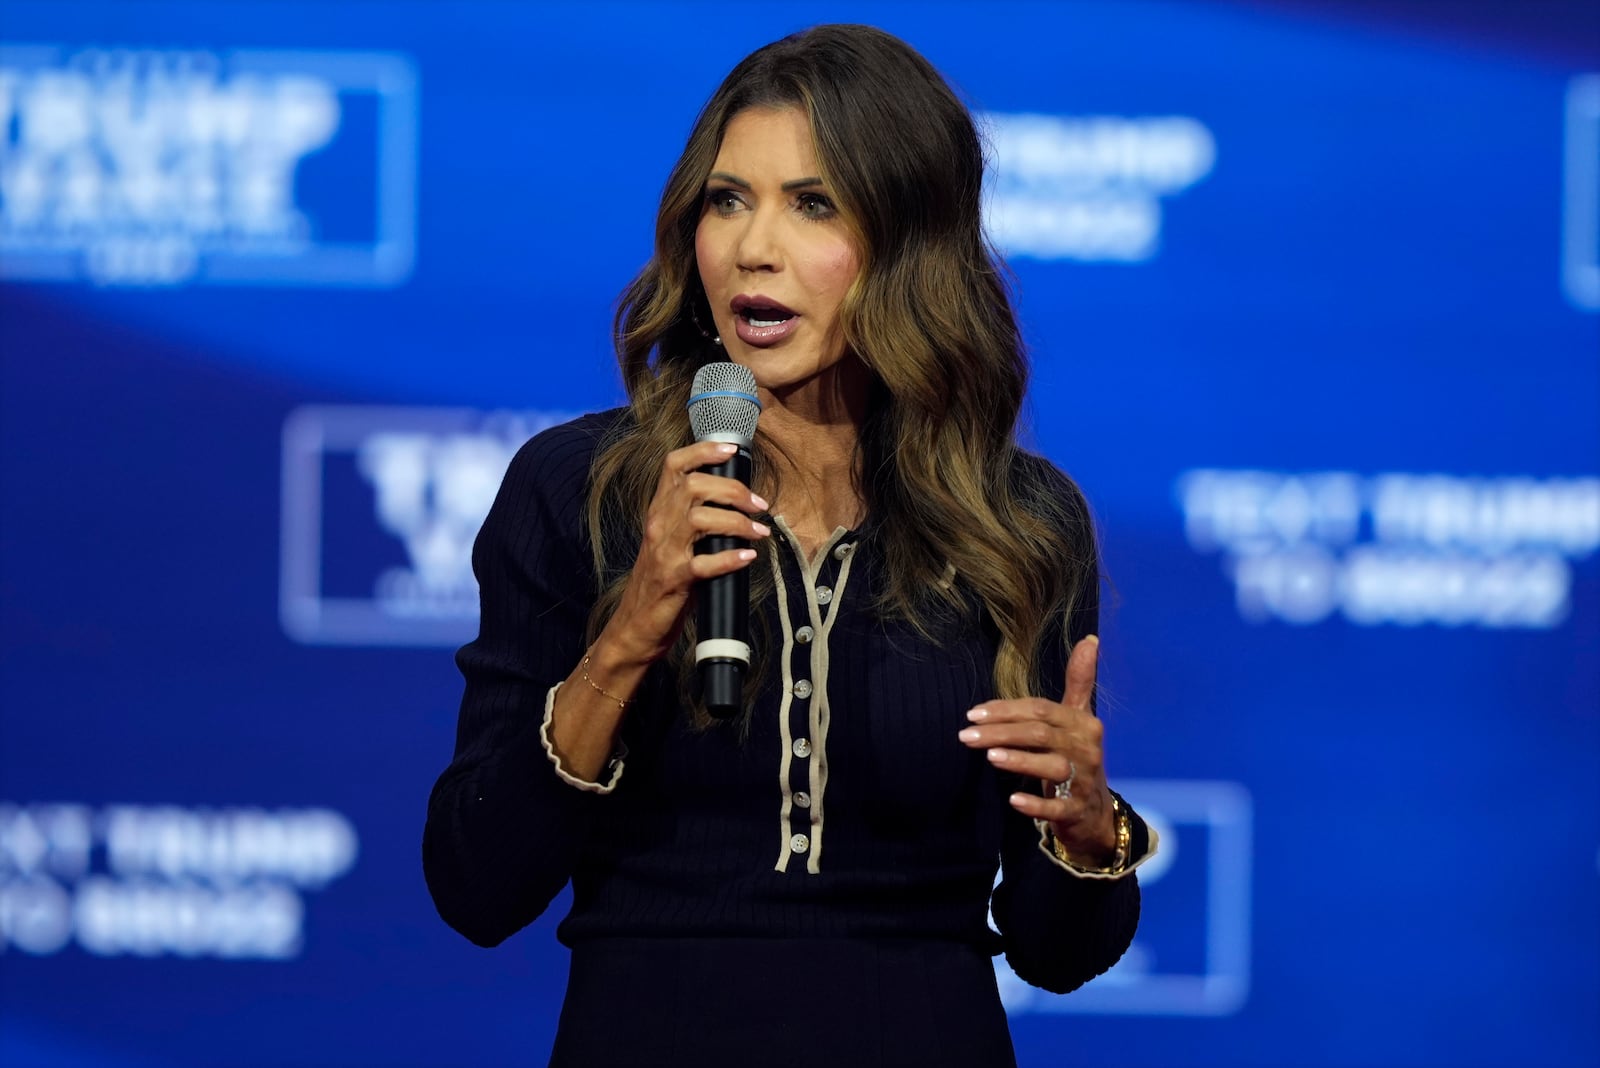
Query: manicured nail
[(727, 449), (1017, 800), (762, 529), (747, 554), (759, 502), (978, 714), (999, 756), (969, 735)]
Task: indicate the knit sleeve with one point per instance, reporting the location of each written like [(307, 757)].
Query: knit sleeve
[(1060, 929), (504, 827)]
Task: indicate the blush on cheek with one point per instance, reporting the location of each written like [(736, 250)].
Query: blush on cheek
[(707, 261), (836, 268)]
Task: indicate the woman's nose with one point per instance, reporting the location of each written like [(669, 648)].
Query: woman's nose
[(760, 246)]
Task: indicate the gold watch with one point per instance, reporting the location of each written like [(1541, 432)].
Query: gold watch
[(1119, 860)]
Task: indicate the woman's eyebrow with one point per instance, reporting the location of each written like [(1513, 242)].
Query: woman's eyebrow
[(787, 187)]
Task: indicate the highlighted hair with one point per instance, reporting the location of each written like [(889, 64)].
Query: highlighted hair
[(944, 482)]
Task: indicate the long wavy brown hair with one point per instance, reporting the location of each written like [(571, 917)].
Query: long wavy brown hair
[(943, 480)]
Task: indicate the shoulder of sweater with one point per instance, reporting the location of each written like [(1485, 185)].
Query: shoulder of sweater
[(564, 452), (549, 475), (576, 440)]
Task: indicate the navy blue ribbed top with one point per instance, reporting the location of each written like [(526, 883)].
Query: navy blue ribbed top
[(848, 809)]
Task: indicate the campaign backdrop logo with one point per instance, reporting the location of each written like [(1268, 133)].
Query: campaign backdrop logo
[(165, 880), (1191, 954), (1394, 549), (161, 167), (1580, 222), (380, 510), (1088, 188)]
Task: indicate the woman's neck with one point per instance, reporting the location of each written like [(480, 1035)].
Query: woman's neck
[(814, 429)]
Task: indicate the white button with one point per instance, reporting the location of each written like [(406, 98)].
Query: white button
[(843, 551), (824, 594), (804, 635), (802, 800), (802, 748), (802, 689), (799, 843)]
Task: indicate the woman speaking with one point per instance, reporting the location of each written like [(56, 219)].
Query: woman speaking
[(807, 880)]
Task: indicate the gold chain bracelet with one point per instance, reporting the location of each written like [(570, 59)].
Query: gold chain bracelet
[(622, 705), (1119, 860)]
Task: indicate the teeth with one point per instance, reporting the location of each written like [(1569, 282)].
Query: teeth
[(765, 318)]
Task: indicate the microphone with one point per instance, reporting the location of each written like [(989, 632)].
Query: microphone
[(723, 407)]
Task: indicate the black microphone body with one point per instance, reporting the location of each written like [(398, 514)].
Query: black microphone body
[(722, 610), (723, 406)]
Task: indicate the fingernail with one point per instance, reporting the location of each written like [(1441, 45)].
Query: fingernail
[(762, 529), (1017, 800), (978, 714), (969, 735), (727, 449), (999, 756), (747, 554), (759, 502)]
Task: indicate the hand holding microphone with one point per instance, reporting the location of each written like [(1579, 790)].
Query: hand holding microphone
[(697, 531), (723, 408)]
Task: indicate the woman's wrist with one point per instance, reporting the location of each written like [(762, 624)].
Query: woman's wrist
[(1108, 854), (1089, 841), (610, 671), (617, 655), (585, 716)]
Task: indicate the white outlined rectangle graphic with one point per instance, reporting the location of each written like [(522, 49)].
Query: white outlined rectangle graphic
[(1580, 222), (1198, 881), (380, 509), (163, 167)]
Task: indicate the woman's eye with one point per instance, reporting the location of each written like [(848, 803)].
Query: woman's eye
[(722, 201), (815, 206)]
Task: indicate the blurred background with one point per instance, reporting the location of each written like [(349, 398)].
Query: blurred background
[(1313, 294)]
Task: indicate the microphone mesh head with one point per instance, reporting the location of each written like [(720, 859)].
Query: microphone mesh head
[(723, 404)]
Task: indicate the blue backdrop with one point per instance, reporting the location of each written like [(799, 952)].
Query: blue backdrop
[(1314, 303)]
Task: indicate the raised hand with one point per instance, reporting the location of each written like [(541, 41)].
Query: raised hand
[(1060, 744), (682, 512)]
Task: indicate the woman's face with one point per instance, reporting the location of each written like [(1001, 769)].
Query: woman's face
[(774, 255)]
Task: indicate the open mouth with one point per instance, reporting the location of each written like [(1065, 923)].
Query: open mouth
[(761, 312), (761, 321), (765, 316)]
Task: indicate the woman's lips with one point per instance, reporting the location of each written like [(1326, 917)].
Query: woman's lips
[(761, 336), (760, 321)]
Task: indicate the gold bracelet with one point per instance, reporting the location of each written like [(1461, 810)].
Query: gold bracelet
[(1119, 860), (622, 705)]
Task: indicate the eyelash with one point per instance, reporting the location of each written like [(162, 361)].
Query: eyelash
[(828, 209), (717, 200)]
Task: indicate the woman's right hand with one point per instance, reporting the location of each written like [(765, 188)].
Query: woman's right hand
[(683, 511)]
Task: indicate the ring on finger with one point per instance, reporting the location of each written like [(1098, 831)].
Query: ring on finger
[(1064, 789)]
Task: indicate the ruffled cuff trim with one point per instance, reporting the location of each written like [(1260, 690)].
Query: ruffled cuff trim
[(613, 766), (1046, 847)]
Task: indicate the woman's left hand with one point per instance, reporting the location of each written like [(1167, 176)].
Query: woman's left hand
[(1060, 744)]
